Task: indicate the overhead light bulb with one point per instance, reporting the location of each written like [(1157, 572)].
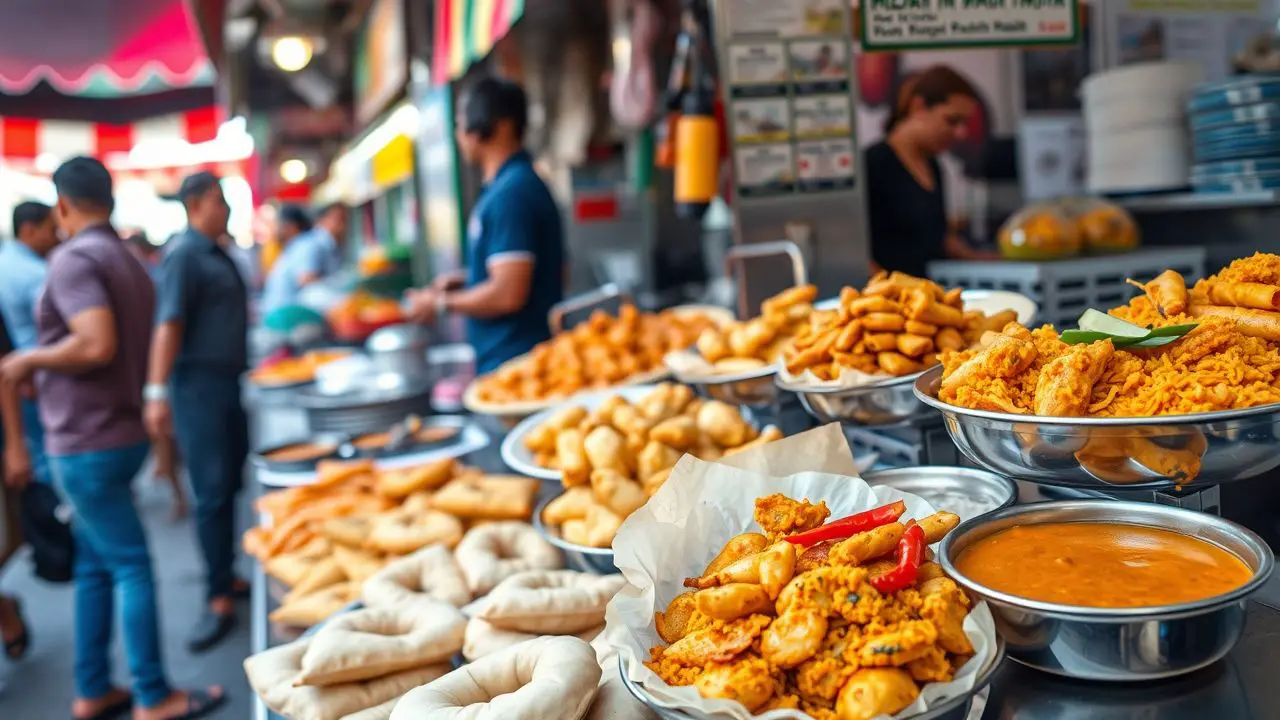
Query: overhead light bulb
[(291, 53), (293, 171)]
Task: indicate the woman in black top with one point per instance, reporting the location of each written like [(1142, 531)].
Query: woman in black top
[(906, 201)]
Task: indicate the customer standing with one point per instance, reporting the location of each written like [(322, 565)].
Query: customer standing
[(90, 366), (906, 197), (193, 386), (312, 254), (23, 264), (516, 258), (16, 473)]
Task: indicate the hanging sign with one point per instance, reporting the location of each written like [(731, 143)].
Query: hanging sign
[(943, 24)]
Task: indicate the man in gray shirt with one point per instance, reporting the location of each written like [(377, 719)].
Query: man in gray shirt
[(94, 321), (193, 387)]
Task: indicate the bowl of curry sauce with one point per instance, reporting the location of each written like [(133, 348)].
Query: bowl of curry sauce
[(1109, 590)]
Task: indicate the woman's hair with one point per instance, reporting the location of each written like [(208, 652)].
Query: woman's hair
[(934, 85)]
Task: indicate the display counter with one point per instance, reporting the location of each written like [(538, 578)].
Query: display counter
[(1241, 686)]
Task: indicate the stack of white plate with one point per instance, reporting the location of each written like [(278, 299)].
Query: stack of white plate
[(1136, 120)]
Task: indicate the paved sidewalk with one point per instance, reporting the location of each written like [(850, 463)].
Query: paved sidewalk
[(40, 687)]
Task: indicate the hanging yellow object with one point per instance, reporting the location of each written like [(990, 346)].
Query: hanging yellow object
[(697, 157)]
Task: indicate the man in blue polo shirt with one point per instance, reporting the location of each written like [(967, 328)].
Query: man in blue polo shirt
[(515, 254)]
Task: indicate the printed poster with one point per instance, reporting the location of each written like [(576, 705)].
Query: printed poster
[(760, 121), (764, 170), (825, 165), (822, 116), (784, 18), (943, 24)]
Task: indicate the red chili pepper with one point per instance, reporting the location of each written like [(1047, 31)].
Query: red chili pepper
[(850, 526), (910, 554)]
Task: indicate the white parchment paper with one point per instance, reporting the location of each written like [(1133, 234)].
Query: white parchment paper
[(701, 506)]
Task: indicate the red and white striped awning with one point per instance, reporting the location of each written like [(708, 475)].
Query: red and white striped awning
[(30, 138)]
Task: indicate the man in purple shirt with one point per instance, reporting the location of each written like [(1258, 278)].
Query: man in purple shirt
[(94, 322)]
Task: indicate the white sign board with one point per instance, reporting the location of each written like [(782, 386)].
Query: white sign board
[(1206, 32), (942, 24)]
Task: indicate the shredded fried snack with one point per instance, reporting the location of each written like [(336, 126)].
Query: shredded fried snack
[(1231, 361), (833, 644)]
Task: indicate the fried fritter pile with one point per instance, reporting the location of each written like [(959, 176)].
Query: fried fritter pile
[(773, 624), (896, 325), (755, 343), (601, 352), (613, 458)]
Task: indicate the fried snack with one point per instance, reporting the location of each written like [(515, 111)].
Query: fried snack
[(619, 454), (399, 484), (404, 531), (834, 641), (756, 343), (893, 327), (357, 565), (314, 608), (487, 497), (601, 352), (1167, 291), (1230, 361), (295, 370), (349, 531)]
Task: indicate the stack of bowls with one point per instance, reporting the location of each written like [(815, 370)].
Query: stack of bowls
[(1136, 121), (1235, 127)]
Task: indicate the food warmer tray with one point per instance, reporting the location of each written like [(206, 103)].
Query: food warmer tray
[(1176, 451)]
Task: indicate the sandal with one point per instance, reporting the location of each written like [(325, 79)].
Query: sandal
[(16, 648), (115, 710), (200, 703)]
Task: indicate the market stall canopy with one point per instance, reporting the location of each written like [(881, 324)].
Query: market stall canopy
[(101, 49), (23, 138)]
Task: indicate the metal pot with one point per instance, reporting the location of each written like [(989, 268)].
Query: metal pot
[(399, 349), (1116, 644)]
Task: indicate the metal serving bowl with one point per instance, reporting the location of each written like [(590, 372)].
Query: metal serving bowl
[(1116, 644), (887, 402), (752, 389), (956, 708), (936, 483), (598, 561), (1152, 453)]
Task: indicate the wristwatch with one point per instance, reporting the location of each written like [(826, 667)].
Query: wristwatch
[(154, 392)]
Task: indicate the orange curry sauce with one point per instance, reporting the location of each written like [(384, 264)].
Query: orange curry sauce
[(1108, 565)]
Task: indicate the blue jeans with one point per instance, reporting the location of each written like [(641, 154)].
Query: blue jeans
[(213, 434), (34, 431), (112, 563)]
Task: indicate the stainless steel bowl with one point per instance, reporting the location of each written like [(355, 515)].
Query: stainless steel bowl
[(1116, 644), (887, 402), (598, 561), (1153, 453), (746, 389), (937, 483), (956, 708)]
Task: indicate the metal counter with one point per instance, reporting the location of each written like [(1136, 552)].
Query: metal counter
[(1241, 687)]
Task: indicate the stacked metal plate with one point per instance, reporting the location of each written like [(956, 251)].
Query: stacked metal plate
[(1235, 127)]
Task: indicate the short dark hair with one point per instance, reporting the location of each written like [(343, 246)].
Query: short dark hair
[(29, 213), (492, 100), (295, 216), (85, 183), (196, 185)]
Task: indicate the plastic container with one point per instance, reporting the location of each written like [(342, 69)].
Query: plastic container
[(1104, 226), (1260, 145), (1040, 231), (1237, 114)]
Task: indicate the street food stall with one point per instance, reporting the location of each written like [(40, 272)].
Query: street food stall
[(1075, 557)]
